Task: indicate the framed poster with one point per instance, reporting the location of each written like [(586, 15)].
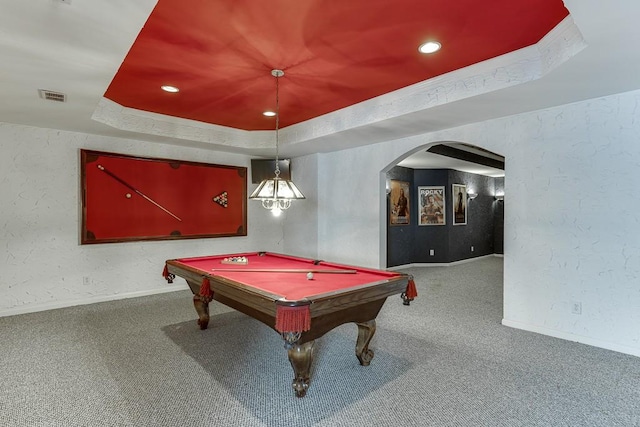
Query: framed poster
[(459, 199), (431, 206), (127, 198), (399, 202)]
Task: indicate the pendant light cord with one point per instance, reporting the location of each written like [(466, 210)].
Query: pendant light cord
[(276, 194), (277, 74)]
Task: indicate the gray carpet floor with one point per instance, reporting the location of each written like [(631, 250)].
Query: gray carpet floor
[(443, 361)]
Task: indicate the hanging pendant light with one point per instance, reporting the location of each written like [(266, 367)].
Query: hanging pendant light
[(276, 193)]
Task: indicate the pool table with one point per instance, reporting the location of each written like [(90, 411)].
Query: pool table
[(300, 298)]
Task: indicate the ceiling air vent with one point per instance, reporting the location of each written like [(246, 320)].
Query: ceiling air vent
[(52, 96)]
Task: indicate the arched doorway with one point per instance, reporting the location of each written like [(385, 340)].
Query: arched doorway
[(466, 226)]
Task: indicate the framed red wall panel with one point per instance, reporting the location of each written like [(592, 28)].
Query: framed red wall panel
[(128, 198)]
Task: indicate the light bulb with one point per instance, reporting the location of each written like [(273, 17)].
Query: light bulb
[(429, 47)]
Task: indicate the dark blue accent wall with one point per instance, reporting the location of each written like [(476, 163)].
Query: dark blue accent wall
[(401, 235), (482, 235), (431, 237)]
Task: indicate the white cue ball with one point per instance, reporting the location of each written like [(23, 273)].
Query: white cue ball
[(309, 275), (128, 195)]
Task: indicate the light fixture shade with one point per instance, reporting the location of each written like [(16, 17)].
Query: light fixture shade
[(276, 188), (276, 194)]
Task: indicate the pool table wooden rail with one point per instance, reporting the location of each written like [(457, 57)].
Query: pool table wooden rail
[(263, 305), (255, 302)]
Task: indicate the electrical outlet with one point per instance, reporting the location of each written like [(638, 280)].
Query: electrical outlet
[(472, 248), (576, 307), (86, 281), (432, 252)]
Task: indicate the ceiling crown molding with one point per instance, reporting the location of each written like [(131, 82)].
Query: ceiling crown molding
[(215, 137)]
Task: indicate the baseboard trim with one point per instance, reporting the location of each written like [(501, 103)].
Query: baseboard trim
[(443, 264), (102, 298), (572, 337)]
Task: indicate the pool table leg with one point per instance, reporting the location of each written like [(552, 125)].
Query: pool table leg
[(201, 305), (365, 333), (300, 356)]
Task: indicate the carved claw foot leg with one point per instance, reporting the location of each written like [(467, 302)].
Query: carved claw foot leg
[(365, 333), (201, 305), (300, 357)]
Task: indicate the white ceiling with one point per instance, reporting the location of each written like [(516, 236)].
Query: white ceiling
[(76, 46), (426, 160)]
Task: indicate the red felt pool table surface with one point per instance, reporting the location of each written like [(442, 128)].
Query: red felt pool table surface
[(288, 285)]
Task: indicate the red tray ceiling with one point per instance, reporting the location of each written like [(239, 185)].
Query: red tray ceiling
[(220, 53)]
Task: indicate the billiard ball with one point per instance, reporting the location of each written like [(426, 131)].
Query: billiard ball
[(309, 275)]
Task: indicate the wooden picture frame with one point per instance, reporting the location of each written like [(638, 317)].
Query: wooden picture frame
[(128, 198)]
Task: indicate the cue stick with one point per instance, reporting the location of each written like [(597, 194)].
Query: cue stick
[(126, 184), (292, 270)]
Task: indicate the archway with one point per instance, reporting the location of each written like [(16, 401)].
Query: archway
[(430, 173)]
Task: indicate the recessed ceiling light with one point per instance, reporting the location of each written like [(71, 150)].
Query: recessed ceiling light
[(269, 113), (429, 47), (171, 89)]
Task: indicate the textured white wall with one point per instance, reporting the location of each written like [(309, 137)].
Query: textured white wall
[(43, 265), (348, 203), (573, 229), (572, 214), (301, 220)]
